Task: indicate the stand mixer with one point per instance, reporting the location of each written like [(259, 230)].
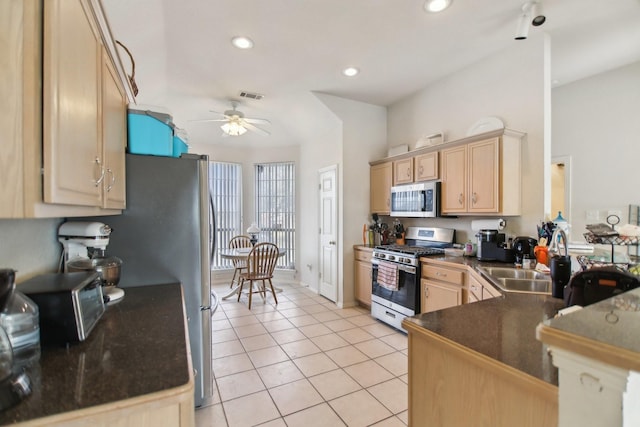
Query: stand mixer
[(84, 244)]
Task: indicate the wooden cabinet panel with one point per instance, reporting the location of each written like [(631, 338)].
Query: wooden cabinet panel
[(453, 195), (437, 296), (114, 136), (72, 62), (452, 385), (482, 177), (380, 188), (443, 274), (474, 292), (483, 158), (426, 166), (403, 171), (56, 92), (362, 275)]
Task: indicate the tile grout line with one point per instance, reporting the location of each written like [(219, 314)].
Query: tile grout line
[(261, 320)]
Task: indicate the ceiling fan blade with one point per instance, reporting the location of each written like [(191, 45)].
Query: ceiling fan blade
[(257, 121), (208, 120), (255, 128)]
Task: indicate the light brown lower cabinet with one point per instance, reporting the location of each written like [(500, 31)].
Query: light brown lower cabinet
[(171, 408), (437, 296), (451, 385), (362, 275)]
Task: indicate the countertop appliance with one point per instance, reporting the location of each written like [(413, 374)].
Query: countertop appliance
[(419, 200), (395, 292), (523, 247), (69, 305), (491, 247), (167, 235), (84, 246)]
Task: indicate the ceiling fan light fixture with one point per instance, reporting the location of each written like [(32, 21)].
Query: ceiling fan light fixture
[(242, 42), (350, 71), (435, 6), (233, 128)]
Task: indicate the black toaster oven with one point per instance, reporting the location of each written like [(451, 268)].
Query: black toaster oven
[(69, 304)]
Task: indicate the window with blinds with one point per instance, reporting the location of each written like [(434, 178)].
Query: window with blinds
[(275, 208), (225, 185)]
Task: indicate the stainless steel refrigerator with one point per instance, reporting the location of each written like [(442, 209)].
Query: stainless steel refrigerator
[(166, 234)]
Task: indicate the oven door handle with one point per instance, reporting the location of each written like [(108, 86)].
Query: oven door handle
[(406, 268)]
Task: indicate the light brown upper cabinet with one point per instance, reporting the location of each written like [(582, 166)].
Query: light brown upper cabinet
[(67, 111), (380, 188), (423, 167), (482, 177), (403, 171), (84, 149), (426, 166), (114, 136)]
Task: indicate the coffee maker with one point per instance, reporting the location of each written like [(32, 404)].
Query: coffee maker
[(491, 247), (84, 245)]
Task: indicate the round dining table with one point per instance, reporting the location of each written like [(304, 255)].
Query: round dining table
[(241, 254)]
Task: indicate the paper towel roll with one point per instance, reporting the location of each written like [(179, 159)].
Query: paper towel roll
[(488, 224)]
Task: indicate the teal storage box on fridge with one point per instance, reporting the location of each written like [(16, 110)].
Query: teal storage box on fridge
[(179, 146), (150, 132)]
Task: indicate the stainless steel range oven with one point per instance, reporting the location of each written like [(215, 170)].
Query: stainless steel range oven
[(395, 292)]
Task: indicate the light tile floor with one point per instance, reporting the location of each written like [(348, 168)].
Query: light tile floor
[(304, 362)]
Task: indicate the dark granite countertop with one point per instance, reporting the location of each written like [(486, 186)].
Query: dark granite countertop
[(502, 328), (138, 347), (614, 321), (606, 330)]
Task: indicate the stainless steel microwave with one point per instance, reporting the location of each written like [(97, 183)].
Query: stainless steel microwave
[(419, 200)]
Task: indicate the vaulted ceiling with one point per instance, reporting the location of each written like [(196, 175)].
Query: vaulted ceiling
[(186, 63)]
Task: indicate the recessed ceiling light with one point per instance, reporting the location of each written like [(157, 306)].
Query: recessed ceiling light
[(350, 71), (242, 42), (436, 5)]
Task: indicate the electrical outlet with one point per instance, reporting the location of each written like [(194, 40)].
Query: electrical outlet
[(593, 215)]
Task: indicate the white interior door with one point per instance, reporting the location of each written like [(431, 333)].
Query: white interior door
[(328, 263)]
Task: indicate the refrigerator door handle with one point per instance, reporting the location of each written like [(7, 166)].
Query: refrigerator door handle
[(212, 228)]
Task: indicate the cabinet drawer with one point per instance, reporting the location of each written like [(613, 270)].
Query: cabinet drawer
[(361, 255), (443, 274)]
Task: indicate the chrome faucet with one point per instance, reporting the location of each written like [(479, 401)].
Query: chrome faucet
[(553, 247)]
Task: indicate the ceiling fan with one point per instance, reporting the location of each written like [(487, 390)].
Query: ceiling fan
[(236, 124)]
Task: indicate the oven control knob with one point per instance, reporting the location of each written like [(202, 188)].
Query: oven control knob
[(391, 258)]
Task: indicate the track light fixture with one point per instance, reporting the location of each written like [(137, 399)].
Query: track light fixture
[(537, 14), (531, 15)]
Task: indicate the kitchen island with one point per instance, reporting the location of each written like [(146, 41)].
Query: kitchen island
[(480, 364), (134, 369)]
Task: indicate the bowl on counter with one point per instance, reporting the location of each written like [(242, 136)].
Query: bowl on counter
[(107, 268)]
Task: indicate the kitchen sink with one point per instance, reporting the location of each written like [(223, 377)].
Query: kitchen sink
[(518, 280)]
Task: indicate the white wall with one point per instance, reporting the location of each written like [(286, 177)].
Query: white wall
[(509, 85), (596, 121), (364, 136)]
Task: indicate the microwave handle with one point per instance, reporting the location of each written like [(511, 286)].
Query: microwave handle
[(423, 202)]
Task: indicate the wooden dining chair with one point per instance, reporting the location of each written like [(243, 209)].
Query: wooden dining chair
[(239, 265), (260, 265)]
